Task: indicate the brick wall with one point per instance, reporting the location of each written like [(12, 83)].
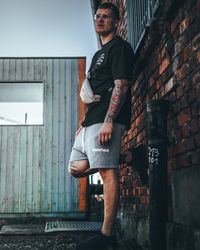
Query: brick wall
[(167, 68)]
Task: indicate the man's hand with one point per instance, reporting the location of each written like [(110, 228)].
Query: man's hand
[(105, 133)]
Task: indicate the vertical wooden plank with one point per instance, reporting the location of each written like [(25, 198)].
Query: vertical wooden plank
[(43, 137), (24, 74), (42, 167), (56, 85), (29, 180), (62, 136), (69, 178), (9, 170), (3, 161), (16, 169), (38, 69), (6, 69), (23, 170), (30, 72), (36, 146), (18, 74), (71, 127), (74, 124), (1, 68), (36, 169), (47, 188), (83, 182), (12, 72)]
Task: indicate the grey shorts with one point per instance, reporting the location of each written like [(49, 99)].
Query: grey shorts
[(87, 147)]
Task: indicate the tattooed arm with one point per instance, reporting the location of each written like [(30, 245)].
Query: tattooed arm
[(117, 99)]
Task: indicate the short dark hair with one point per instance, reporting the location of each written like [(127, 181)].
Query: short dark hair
[(111, 6)]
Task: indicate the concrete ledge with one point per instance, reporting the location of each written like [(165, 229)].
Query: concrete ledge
[(133, 227), (186, 196), (182, 238)]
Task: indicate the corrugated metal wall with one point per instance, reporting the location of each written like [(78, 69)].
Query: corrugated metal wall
[(139, 14), (33, 159)]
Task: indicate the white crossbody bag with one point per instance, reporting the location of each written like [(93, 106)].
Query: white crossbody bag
[(86, 93)]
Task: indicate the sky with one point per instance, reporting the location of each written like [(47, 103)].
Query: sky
[(47, 28)]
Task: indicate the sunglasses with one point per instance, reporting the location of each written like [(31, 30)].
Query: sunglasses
[(103, 16)]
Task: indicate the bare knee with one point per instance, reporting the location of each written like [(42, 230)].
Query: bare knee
[(109, 174), (77, 168)]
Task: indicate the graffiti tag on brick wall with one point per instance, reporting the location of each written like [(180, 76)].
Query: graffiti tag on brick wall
[(153, 155)]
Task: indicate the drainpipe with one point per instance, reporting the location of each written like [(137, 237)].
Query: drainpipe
[(157, 111)]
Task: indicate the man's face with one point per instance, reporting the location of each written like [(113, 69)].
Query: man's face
[(105, 22)]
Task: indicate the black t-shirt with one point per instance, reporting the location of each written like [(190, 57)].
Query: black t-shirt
[(113, 61)]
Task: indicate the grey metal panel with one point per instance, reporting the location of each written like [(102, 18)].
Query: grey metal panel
[(139, 14), (18, 75), (71, 188), (1, 68), (3, 179), (62, 136), (46, 193), (74, 121), (34, 159)]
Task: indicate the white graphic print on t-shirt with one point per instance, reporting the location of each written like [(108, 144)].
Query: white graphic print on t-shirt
[(100, 59)]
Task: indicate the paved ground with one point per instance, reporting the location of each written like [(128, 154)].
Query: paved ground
[(49, 241), (53, 241)]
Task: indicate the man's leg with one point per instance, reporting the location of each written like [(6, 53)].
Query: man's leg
[(111, 197), (80, 168)]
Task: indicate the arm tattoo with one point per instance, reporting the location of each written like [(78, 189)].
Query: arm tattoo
[(117, 99)]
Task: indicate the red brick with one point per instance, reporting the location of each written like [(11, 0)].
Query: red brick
[(186, 84), (183, 118), (192, 96), (184, 24), (196, 108), (165, 63), (197, 140), (128, 192), (186, 53), (190, 143), (180, 44), (198, 56), (195, 157), (164, 52), (182, 72), (151, 81), (182, 147), (196, 43), (172, 163), (184, 161), (179, 91), (170, 151), (174, 24), (178, 61), (184, 131), (169, 85), (198, 5), (142, 191), (144, 200), (196, 79), (193, 62)]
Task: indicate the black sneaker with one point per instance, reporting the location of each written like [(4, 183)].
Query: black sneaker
[(98, 242)]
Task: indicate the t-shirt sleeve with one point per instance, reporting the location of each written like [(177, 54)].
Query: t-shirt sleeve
[(121, 58)]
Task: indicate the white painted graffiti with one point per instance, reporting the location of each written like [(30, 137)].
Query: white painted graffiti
[(153, 155)]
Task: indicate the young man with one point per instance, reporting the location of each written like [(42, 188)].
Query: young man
[(97, 143)]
